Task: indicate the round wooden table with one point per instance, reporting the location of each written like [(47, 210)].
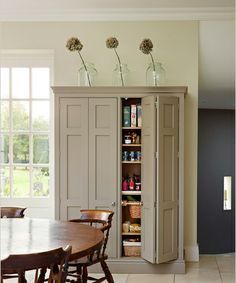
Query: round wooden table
[(27, 235)]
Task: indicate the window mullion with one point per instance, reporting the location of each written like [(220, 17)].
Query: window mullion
[(30, 135), (10, 136)]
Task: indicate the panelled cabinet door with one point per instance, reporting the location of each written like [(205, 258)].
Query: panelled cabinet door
[(74, 157), (148, 217), (167, 178), (103, 160)]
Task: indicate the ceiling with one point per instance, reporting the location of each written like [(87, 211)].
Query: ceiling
[(216, 31)]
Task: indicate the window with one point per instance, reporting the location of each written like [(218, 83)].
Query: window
[(25, 129)]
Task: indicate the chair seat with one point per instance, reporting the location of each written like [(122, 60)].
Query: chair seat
[(85, 261)]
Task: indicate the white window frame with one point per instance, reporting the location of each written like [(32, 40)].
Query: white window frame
[(36, 206)]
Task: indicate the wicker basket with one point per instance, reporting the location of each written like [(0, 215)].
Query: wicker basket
[(135, 209), (132, 249)]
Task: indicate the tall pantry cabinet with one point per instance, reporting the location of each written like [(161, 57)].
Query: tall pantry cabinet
[(134, 169)]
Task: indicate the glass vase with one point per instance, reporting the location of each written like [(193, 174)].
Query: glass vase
[(87, 77), (155, 75), (120, 75)]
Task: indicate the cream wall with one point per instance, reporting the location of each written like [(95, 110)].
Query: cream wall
[(175, 45)]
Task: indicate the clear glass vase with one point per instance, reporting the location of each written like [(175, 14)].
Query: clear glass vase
[(120, 75), (155, 75), (87, 77)]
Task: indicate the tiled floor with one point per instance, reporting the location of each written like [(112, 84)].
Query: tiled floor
[(210, 268)]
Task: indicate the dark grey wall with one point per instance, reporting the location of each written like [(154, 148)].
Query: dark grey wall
[(216, 159)]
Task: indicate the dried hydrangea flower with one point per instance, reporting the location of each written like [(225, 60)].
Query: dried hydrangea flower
[(146, 46), (74, 44), (112, 42)]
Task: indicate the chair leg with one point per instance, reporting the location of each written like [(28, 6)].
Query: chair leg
[(85, 275), (107, 272), (78, 271)]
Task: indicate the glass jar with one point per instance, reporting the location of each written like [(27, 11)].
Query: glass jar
[(120, 75), (155, 75), (87, 78)]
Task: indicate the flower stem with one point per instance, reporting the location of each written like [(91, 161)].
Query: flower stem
[(86, 70), (121, 75), (154, 69)]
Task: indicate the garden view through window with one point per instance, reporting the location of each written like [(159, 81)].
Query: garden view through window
[(24, 132)]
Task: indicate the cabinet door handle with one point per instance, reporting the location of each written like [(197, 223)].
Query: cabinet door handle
[(141, 203), (113, 203)]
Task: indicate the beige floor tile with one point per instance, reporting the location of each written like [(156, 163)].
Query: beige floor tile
[(205, 262), (228, 277), (195, 275), (226, 263), (150, 278), (118, 278)]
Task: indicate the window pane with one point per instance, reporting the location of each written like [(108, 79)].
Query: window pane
[(40, 83), (21, 183), (40, 181), (40, 115), (20, 82), (4, 143), (5, 182), (21, 149), (4, 82), (5, 119), (20, 113), (40, 149)]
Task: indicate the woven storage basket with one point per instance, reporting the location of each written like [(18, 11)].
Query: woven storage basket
[(135, 210), (132, 249)]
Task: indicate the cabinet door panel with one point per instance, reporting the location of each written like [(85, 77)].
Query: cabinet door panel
[(74, 157), (148, 179), (103, 160), (167, 178)]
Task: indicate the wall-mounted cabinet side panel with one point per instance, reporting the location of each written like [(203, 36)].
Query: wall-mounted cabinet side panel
[(74, 157), (167, 178), (148, 179), (103, 160)]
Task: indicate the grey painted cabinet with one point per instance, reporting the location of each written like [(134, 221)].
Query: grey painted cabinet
[(160, 130), (88, 167), (88, 158)]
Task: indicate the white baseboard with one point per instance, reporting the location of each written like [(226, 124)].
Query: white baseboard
[(191, 253)]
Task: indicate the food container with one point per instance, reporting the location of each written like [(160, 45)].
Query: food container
[(135, 228), (132, 248), (135, 209), (127, 139)]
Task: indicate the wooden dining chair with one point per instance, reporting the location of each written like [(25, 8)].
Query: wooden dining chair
[(54, 261), (12, 212), (102, 220)]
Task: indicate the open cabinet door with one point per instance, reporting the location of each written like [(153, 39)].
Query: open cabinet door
[(167, 178), (148, 236)]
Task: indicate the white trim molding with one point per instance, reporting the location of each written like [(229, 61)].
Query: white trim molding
[(119, 14), (191, 253)]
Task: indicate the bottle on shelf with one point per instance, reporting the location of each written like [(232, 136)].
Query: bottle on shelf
[(131, 184), (125, 185)]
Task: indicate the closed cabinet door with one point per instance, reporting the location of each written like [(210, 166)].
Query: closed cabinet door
[(103, 161), (73, 157), (159, 193)]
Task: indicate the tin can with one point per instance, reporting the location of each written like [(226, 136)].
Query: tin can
[(125, 156), (138, 155), (132, 156)]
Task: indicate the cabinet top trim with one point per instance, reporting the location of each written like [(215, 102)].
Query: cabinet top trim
[(122, 91)]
